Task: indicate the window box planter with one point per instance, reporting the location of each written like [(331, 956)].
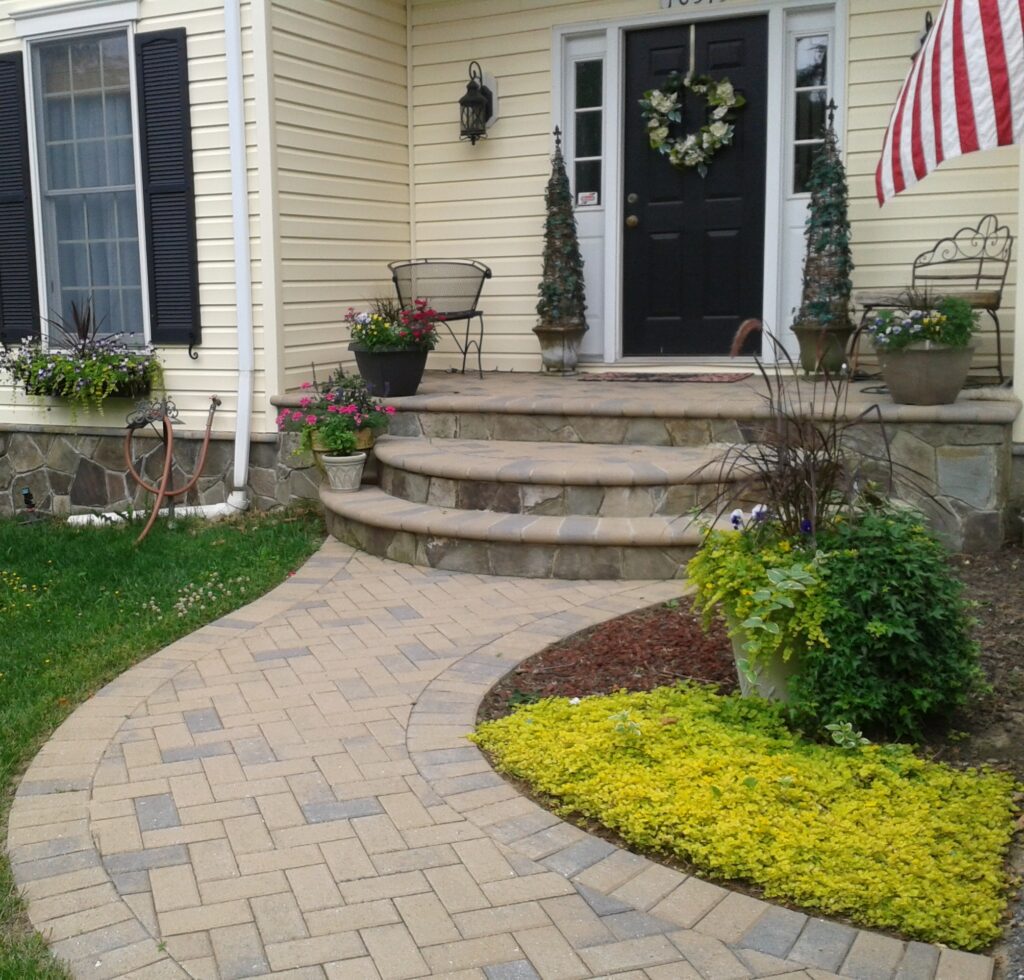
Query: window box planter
[(84, 376)]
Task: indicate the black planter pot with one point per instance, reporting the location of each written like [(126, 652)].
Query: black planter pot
[(390, 373)]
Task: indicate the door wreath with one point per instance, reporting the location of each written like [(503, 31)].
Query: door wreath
[(660, 107)]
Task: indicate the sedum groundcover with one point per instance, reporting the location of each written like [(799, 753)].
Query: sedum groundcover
[(874, 833)]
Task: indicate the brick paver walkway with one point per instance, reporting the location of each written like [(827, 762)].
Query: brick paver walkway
[(289, 792)]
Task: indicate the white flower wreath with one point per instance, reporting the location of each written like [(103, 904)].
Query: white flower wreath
[(661, 107)]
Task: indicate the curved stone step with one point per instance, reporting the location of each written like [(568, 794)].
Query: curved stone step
[(547, 478), (489, 542)]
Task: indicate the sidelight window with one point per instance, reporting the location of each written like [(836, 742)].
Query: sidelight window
[(811, 104), (588, 119)]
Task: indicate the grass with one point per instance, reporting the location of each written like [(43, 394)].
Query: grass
[(78, 606), (875, 833)]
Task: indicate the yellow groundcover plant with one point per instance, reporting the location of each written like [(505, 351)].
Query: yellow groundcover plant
[(873, 833)]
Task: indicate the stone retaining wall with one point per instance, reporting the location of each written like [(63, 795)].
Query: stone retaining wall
[(78, 470)]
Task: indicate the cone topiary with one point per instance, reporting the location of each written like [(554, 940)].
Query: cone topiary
[(561, 309), (825, 303)]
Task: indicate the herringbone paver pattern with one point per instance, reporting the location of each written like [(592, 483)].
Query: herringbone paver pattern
[(289, 792)]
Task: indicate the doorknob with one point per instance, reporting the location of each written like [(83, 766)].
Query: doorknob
[(632, 221)]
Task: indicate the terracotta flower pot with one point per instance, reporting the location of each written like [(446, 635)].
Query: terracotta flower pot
[(925, 373)]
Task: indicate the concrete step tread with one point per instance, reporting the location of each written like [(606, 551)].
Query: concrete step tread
[(555, 463), (374, 507)]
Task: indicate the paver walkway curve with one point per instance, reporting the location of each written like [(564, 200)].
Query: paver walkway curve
[(289, 792)]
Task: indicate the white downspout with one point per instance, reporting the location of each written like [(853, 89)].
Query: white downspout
[(239, 498)]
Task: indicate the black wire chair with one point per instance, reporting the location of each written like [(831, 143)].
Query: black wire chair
[(450, 286)]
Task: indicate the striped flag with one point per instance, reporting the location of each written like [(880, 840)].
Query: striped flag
[(965, 92)]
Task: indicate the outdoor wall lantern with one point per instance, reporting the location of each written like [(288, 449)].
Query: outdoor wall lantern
[(929, 23), (476, 107)]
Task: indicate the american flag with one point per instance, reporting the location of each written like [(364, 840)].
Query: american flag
[(965, 92)]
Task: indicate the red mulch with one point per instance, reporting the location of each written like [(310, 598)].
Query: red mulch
[(643, 650)]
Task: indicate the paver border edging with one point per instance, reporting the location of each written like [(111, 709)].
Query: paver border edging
[(44, 868), (760, 932)]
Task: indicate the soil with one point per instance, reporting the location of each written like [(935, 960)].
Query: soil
[(666, 643)]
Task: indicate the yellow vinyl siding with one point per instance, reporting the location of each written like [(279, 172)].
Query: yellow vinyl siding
[(341, 145), (190, 383)]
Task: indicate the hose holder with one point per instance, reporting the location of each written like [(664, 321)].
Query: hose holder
[(164, 412)]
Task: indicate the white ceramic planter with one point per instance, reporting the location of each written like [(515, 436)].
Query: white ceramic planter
[(769, 679), (344, 473)]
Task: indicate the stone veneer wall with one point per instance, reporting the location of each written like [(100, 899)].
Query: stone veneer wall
[(77, 470), (961, 474), (1017, 491)]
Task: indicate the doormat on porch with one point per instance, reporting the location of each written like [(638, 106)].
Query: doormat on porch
[(666, 378)]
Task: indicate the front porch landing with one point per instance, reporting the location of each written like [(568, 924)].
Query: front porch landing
[(557, 477)]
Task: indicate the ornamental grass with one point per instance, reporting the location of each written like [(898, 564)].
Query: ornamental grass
[(874, 833)]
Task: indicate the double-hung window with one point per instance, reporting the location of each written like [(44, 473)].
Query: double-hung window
[(87, 182), (97, 202)]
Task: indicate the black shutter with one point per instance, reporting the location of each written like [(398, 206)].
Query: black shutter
[(19, 296), (165, 135)]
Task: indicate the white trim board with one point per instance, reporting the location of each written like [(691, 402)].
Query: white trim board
[(75, 17)]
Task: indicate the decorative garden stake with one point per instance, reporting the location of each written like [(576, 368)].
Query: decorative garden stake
[(562, 306), (823, 324), (163, 411)]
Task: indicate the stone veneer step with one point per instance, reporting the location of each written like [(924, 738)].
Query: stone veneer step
[(489, 542), (548, 478)]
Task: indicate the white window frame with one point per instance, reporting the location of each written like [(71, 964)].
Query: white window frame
[(79, 19)]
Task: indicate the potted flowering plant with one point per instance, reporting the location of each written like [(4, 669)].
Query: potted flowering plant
[(81, 365), (391, 344), (837, 600), (328, 422), (925, 348)]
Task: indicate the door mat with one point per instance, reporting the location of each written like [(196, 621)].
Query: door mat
[(666, 378)]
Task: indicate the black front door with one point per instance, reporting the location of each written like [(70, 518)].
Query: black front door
[(693, 246)]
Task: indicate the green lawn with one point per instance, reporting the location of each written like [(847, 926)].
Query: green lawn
[(78, 606)]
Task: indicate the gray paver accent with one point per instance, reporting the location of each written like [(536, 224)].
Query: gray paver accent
[(156, 812), (202, 720), (516, 970), (294, 795)]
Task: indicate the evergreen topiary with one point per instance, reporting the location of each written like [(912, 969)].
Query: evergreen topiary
[(827, 263), (562, 306)]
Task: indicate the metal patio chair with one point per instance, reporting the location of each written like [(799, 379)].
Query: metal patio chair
[(450, 286), (972, 265)]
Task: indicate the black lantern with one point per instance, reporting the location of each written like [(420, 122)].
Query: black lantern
[(929, 23), (476, 107)]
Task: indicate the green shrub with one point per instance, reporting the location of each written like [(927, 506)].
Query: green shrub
[(899, 651), (874, 833), (869, 608)]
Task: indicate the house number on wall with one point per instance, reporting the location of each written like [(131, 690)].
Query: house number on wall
[(688, 3)]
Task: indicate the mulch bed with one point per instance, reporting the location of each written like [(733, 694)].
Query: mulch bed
[(640, 651)]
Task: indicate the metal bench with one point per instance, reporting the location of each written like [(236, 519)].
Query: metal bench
[(972, 265), (450, 286)]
